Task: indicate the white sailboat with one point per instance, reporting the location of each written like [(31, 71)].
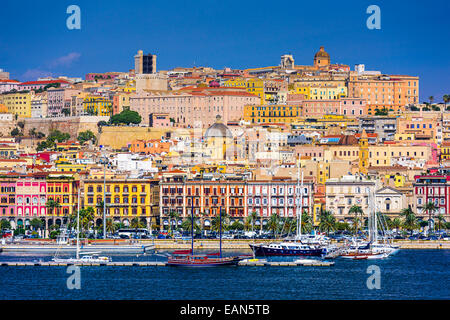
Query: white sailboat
[(373, 249), (87, 257)]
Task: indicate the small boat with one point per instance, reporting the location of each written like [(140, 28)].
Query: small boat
[(187, 258), (201, 260), (287, 249), (87, 257)]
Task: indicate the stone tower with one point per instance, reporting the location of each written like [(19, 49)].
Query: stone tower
[(364, 153)]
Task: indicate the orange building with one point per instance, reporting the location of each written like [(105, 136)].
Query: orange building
[(392, 92), (150, 146)]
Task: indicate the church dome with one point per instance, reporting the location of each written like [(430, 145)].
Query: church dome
[(322, 54), (218, 130)]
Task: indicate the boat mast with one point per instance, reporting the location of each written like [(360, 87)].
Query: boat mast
[(78, 224), (299, 203), (375, 227), (192, 224), (220, 232)]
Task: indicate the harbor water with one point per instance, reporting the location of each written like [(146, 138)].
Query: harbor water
[(410, 274)]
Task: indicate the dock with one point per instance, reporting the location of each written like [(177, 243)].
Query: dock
[(159, 264)]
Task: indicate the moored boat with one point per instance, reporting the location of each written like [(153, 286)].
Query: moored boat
[(287, 249)]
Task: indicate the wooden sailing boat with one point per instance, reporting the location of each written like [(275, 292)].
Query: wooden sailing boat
[(187, 258)]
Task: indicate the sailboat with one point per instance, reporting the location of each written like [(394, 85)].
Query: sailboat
[(87, 257), (298, 247), (187, 258), (373, 249)]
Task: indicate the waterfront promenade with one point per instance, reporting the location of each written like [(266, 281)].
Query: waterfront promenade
[(170, 244)]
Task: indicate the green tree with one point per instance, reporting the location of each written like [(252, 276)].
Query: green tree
[(396, 223), (441, 221), (136, 223), (306, 222), (410, 219), (446, 99), (86, 220), (236, 225), (52, 205), (173, 217), (15, 132), (187, 225), (430, 208), (85, 136), (358, 212), (327, 221), (273, 223), (126, 117), (111, 227), (36, 223), (5, 224)]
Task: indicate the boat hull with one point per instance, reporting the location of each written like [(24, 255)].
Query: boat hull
[(187, 262), (260, 250)]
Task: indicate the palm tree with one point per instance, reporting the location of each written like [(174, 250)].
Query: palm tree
[(446, 99), (306, 222), (291, 225), (410, 222), (173, 216), (273, 223), (326, 221), (431, 98), (357, 211), (110, 225), (136, 223), (441, 220), (430, 208), (86, 218), (187, 223), (396, 223), (52, 205), (252, 218)]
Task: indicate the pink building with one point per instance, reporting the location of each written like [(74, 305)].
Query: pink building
[(59, 99), (160, 120), (200, 105), (8, 85), (350, 107), (282, 197), (35, 85), (7, 197), (31, 197)]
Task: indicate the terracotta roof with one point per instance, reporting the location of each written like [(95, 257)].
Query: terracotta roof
[(43, 82)]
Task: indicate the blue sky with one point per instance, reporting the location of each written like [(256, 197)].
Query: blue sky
[(413, 40)]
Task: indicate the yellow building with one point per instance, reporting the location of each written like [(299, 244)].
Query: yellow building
[(97, 105), (62, 188), (17, 103), (125, 199), (252, 85), (321, 92), (445, 150), (272, 114), (399, 180)]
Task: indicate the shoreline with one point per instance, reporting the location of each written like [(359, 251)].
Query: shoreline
[(165, 244)]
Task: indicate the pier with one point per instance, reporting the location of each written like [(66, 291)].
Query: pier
[(162, 264)]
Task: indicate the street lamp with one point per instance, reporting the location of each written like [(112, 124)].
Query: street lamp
[(104, 161)]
